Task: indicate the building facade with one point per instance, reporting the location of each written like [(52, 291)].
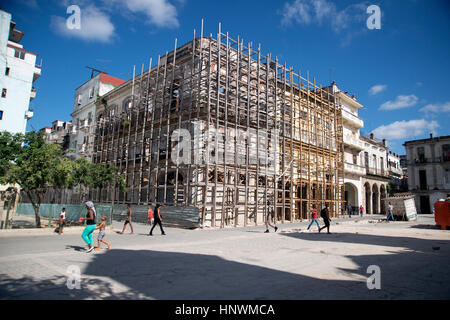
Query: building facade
[(258, 132), (18, 71), (84, 110), (428, 163), (59, 133), (366, 161)]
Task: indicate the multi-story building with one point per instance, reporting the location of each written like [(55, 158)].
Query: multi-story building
[(396, 173), (377, 178), (59, 133), (428, 163), (353, 170), (366, 174), (257, 132), (83, 115), (18, 72)]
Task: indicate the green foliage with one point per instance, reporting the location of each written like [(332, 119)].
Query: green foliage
[(10, 147), (36, 166)]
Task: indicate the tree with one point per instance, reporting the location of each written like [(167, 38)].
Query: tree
[(10, 147), (36, 168)]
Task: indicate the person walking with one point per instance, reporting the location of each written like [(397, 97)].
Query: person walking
[(62, 220), (150, 216), (325, 214), (361, 210), (158, 220), (128, 221), (390, 212), (314, 218), (270, 217), (101, 234), (349, 210), (90, 225)]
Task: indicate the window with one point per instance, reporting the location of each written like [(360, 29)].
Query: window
[(19, 54), (446, 152), (4, 90), (91, 93), (1, 114), (421, 154), (79, 99), (7, 71)]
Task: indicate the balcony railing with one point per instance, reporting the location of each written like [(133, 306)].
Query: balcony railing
[(377, 171), (356, 121), (428, 160), (354, 168), (353, 142)]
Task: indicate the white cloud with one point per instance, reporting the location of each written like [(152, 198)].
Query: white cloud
[(436, 108), (400, 102), (406, 129), (159, 12), (317, 11), (377, 89), (95, 26)]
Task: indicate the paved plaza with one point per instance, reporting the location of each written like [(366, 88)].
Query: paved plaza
[(236, 263)]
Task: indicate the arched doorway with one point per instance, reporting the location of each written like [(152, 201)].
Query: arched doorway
[(375, 199), (368, 198), (383, 196), (351, 195)]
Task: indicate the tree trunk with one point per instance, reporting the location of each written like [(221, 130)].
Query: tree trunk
[(37, 216), (36, 207)]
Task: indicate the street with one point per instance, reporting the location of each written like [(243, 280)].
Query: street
[(238, 263)]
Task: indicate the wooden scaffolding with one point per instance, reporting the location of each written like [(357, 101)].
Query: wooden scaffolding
[(216, 89)]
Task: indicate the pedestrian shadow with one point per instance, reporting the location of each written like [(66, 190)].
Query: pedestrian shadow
[(426, 226), (76, 248), (186, 276)]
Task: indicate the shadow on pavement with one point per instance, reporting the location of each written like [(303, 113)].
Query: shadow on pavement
[(172, 275)]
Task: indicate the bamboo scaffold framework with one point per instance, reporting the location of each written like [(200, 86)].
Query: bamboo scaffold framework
[(261, 132)]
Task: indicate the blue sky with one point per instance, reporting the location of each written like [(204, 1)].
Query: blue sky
[(400, 73)]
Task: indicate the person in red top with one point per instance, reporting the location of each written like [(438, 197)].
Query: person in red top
[(150, 216), (361, 210), (314, 218)]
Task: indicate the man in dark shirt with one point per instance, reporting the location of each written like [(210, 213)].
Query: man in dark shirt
[(325, 214)]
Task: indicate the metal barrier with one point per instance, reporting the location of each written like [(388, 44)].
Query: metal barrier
[(73, 211)]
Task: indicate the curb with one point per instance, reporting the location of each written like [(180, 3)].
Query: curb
[(42, 231)]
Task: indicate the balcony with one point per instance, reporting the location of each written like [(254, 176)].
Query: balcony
[(36, 72), (377, 172), (423, 161), (73, 130), (353, 142), (84, 125), (352, 168), (352, 119), (29, 114), (32, 93), (395, 171)]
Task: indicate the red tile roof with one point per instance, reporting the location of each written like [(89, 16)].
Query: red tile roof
[(104, 78)]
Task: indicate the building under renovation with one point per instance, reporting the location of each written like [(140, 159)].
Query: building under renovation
[(220, 127)]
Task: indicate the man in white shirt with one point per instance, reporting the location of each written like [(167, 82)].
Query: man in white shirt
[(390, 212)]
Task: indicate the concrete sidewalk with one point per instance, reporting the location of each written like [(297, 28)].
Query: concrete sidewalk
[(119, 224)]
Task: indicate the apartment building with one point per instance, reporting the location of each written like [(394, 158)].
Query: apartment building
[(428, 162), (18, 72), (84, 110)]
